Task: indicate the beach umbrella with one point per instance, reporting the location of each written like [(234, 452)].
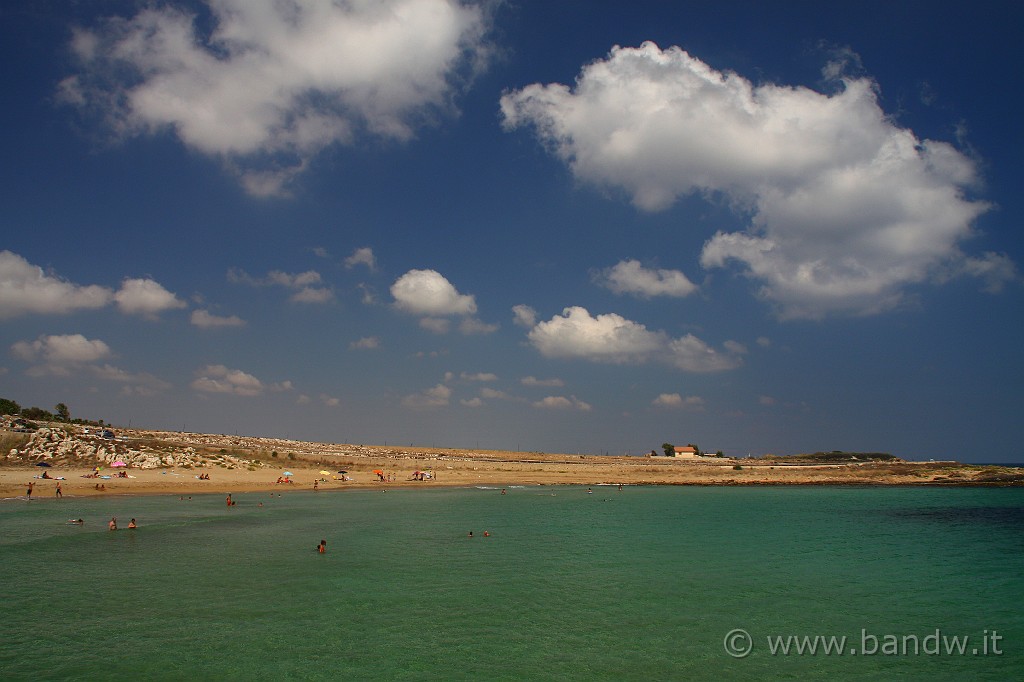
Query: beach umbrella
[(119, 463), (325, 473), (342, 472), (287, 473), (43, 464)]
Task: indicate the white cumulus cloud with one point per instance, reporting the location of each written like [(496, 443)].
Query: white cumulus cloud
[(145, 297), (611, 338), (676, 401), (25, 289), (61, 349), (558, 402), (427, 292), (266, 85), (845, 208), (630, 277), (221, 379)]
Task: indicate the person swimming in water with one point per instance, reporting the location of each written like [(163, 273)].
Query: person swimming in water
[(322, 547), (113, 523), (132, 524)]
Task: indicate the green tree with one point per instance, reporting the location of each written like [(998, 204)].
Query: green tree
[(9, 406), (63, 413), (37, 414), (669, 449)]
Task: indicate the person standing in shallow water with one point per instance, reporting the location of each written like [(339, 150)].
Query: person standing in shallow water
[(59, 493)]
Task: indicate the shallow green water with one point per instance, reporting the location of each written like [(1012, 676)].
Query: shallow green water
[(638, 584)]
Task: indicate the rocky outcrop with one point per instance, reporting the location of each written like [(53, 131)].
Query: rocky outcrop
[(58, 446)]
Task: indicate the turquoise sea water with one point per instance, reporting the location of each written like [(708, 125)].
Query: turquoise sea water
[(641, 583)]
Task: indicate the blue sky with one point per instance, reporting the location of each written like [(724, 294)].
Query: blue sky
[(576, 227)]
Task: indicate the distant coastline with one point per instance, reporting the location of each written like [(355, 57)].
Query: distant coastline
[(164, 462)]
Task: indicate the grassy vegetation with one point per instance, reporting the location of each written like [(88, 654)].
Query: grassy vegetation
[(8, 441)]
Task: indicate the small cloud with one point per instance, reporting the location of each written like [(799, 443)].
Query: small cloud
[(427, 292), (145, 297), (676, 401), (493, 394), (479, 376), (329, 401), (365, 343), (534, 381), (766, 400), (630, 277), (471, 326), (363, 256), (436, 325), (312, 295), (472, 402), (369, 294), (140, 384), (553, 402), (764, 342), (220, 379), (735, 347), (438, 396), (308, 287), (524, 316), (204, 319)]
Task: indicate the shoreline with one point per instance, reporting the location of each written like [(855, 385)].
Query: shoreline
[(74, 484), (168, 463)]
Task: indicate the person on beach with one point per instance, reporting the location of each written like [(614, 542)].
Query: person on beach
[(132, 524), (113, 524), (316, 485), (29, 491), (470, 533), (229, 501), (60, 492), (322, 547)]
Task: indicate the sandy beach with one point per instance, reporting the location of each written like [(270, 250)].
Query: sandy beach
[(239, 464)]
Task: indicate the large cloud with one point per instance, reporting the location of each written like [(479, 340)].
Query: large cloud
[(273, 83), (427, 292), (61, 349), (25, 288), (846, 209), (611, 338)]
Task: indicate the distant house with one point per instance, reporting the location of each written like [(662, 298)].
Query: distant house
[(685, 452)]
